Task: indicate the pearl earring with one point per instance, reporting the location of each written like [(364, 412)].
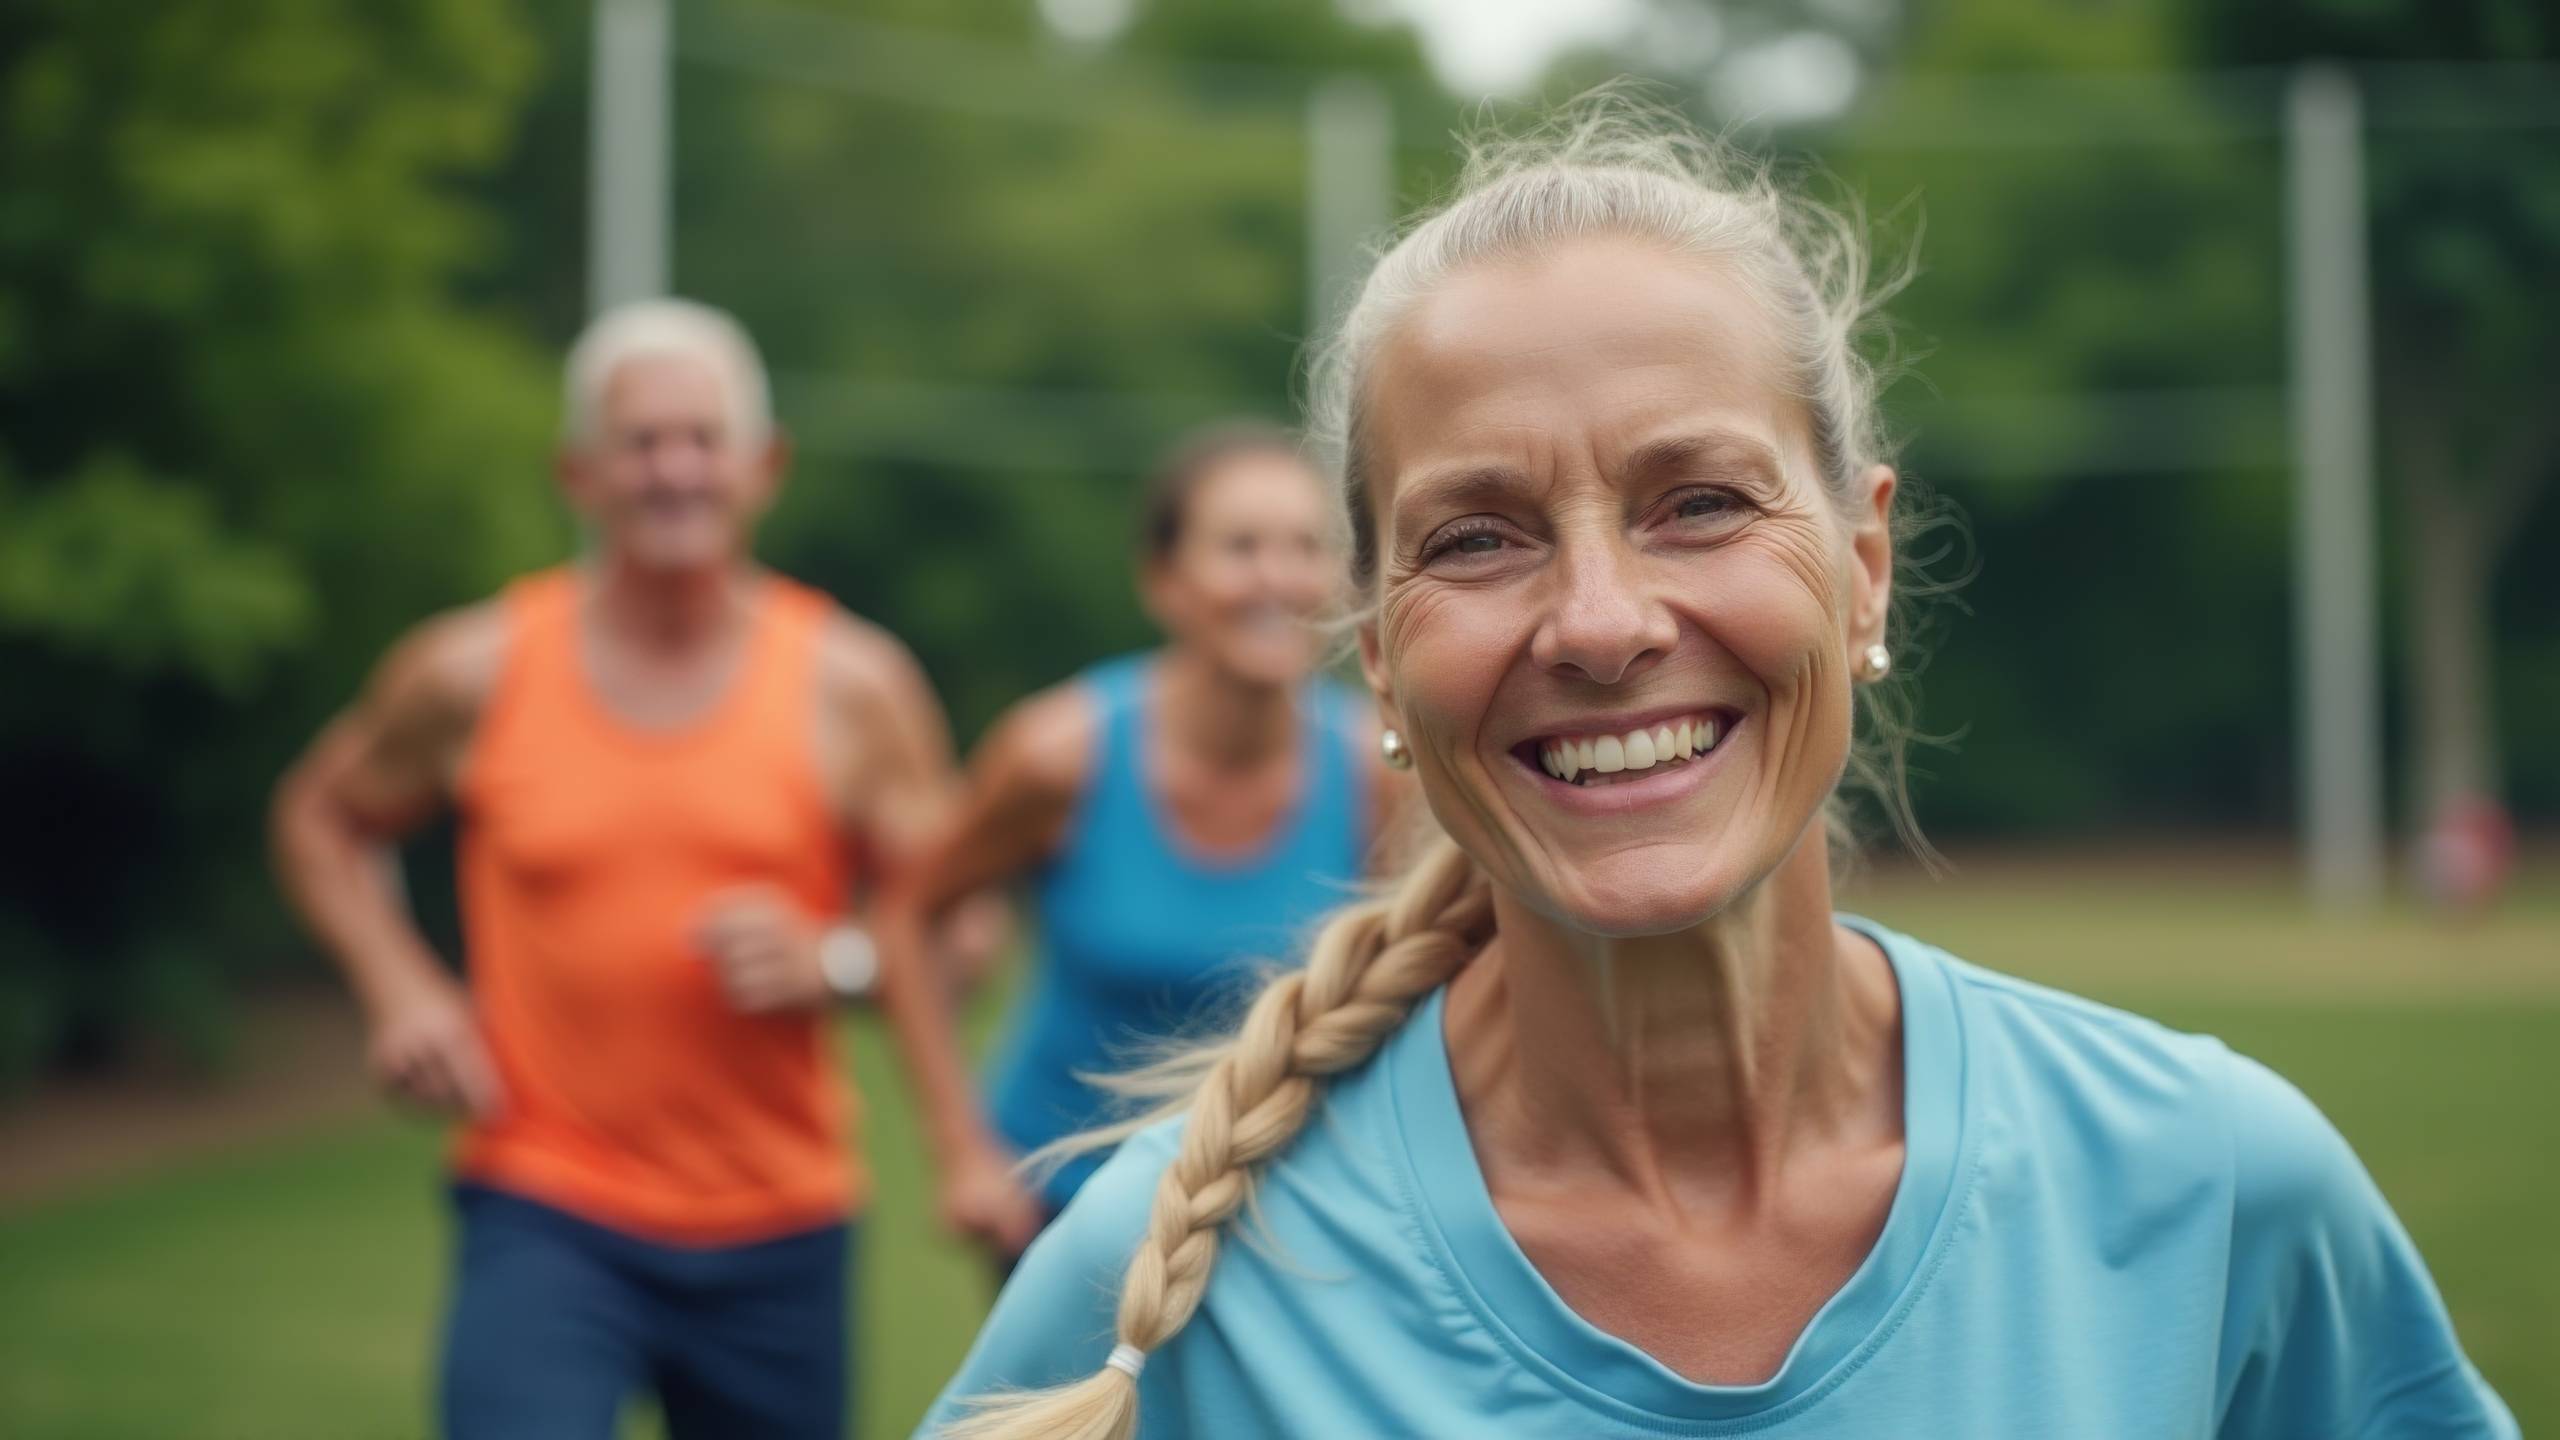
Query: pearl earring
[(1391, 749), (1877, 663)]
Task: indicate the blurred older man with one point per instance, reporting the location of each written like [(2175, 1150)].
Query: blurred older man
[(670, 768)]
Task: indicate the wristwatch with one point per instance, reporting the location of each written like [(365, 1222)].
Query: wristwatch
[(850, 962)]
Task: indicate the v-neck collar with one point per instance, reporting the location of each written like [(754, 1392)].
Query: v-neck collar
[(1513, 1301)]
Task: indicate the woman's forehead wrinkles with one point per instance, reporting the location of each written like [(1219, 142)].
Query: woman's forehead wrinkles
[(1698, 410)]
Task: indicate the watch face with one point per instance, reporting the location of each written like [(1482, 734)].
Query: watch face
[(850, 962)]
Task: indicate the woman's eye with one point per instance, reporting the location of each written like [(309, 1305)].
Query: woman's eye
[(1704, 504), (1467, 540)]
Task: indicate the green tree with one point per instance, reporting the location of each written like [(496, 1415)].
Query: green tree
[(2464, 190), (2101, 366), (249, 434)]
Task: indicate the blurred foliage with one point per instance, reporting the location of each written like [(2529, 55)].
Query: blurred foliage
[(2097, 386), (2465, 245), (248, 433), (289, 280)]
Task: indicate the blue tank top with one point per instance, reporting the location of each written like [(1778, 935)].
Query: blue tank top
[(1143, 938)]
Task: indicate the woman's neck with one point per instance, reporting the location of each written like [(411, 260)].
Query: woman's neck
[(1230, 722), (1687, 1068)]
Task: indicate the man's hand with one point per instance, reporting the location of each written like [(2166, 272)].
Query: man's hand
[(982, 1200), (425, 1048), (763, 951)]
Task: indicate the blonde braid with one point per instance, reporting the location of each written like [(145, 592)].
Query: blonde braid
[(1368, 967)]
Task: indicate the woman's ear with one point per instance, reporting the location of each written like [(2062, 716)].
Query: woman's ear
[(1373, 669), (1155, 592), (1871, 557)]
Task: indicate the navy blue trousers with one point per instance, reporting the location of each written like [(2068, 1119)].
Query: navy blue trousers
[(556, 1322)]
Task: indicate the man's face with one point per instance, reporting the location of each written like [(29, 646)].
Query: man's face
[(672, 479)]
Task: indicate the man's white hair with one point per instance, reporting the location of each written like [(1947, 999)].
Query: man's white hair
[(639, 328)]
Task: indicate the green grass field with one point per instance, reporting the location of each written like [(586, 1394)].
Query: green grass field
[(289, 1290)]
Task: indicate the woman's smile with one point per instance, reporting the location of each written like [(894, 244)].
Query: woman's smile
[(1613, 765)]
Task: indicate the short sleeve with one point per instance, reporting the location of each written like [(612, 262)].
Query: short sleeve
[(2332, 1327), (1053, 1323)]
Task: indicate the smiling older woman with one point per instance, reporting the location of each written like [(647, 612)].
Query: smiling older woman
[(1624, 1132)]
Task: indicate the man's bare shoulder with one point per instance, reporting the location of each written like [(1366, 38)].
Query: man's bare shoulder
[(446, 667), (856, 656), (1041, 747), (867, 673)]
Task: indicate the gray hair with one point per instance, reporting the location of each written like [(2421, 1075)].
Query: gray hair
[(663, 327), (1612, 165)]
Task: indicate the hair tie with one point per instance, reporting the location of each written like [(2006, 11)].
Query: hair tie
[(1127, 1359)]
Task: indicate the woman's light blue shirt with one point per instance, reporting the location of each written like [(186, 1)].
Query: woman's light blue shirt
[(2103, 1228)]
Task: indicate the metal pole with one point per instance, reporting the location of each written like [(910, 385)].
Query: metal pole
[(2338, 697), (628, 211), (1351, 188)]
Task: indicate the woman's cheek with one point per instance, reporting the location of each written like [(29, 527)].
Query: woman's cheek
[(1445, 660), (1774, 609), (1227, 583), (1409, 622)]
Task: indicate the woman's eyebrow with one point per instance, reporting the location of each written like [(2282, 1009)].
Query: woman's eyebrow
[(1465, 487), (1729, 453), (1724, 452)]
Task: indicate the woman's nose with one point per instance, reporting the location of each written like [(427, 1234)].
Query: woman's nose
[(1600, 621)]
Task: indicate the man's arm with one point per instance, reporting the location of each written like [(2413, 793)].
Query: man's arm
[(376, 772), (906, 803), (885, 740)]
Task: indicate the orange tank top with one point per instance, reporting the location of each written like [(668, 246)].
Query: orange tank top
[(635, 1096)]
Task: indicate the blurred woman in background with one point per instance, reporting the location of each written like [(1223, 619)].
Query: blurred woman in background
[(1181, 814)]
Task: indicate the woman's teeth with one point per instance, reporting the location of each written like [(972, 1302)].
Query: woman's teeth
[(1605, 759)]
